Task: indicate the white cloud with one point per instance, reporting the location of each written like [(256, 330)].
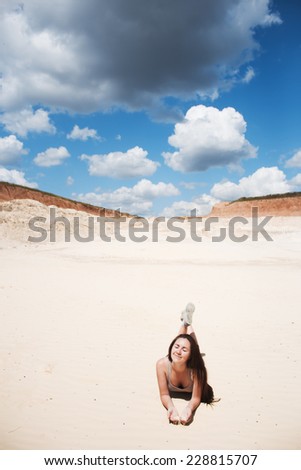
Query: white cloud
[(262, 182), (295, 161), (26, 120), (227, 190), (68, 54), (134, 200), (129, 164), (202, 204), (11, 150), (118, 137), (69, 181), (250, 74), (52, 157), (208, 137), (295, 182), (146, 189), (83, 134), (271, 19), (16, 177)]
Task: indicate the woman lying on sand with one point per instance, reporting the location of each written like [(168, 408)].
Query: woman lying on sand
[(182, 373)]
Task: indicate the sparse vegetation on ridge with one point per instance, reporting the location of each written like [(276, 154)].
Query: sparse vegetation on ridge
[(268, 196)]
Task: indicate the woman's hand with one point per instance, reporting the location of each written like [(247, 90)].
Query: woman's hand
[(186, 415), (173, 415)]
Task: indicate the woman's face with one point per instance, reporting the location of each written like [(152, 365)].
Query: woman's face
[(180, 351)]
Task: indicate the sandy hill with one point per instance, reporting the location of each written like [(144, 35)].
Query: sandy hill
[(10, 192), (288, 204)]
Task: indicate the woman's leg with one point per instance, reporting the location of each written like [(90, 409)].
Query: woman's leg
[(190, 331), (187, 330), (183, 329)]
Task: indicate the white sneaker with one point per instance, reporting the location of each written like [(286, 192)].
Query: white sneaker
[(186, 315)]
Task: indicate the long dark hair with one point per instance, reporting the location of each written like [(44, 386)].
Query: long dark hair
[(197, 365)]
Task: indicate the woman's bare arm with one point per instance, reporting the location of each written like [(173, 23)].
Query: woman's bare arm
[(166, 400), (193, 403)]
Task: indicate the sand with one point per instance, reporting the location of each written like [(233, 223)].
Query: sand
[(82, 325)]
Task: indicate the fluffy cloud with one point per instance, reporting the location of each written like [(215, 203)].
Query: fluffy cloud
[(202, 204), (16, 177), (27, 120), (11, 150), (135, 200), (52, 157), (84, 56), (130, 164), (83, 134), (262, 182), (208, 137), (295, 161), (295, 182)]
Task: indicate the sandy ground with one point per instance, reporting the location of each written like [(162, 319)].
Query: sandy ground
[(82, 325)]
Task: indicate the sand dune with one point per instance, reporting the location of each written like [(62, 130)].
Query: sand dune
[(82, 325)]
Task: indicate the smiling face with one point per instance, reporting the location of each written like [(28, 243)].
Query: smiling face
[(180, 351)]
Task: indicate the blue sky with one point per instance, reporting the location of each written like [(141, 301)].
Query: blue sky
[(152, 107)]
